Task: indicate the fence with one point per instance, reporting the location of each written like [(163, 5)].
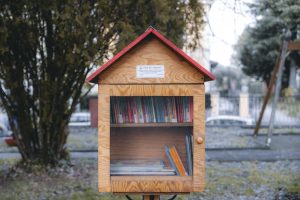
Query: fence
[(287, 113)]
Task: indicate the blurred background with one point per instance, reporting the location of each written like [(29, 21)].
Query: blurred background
[(48, 117)]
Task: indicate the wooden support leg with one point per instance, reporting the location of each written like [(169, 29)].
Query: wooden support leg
[(268, 95), (151, 197), (277, 92), (276, 74)]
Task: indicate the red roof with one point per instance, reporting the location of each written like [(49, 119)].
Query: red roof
[(208, 76)]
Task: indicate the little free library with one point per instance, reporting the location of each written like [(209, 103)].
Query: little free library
[(151, 119)]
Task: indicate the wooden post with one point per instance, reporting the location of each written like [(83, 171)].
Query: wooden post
[(268, 95), (215, 104), (151, 197), (277, 91), (244, 104), (291, 46)]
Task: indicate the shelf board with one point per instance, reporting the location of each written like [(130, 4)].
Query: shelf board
[(152, 184), (169, 124)]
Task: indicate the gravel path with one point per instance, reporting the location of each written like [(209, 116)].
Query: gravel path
[(85, 138)]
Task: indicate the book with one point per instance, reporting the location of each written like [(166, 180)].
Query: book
[(179, 108), (140, 110), (177, 160), (129, 110), (167, 151), (153, 110), (134, 110), (174, 113), (189, 150), (140, 167), (191, 104), (166, 161)]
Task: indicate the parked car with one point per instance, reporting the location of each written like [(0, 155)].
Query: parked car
[(80, 119), (228, 120), (10, 141)]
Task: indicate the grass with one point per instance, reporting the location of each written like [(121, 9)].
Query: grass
[(290, 106), (294, 187), (250, 179), (82, 141), (223, 181), (8, 161)]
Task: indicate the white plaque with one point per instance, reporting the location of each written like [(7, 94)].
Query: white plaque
[(150, 71)]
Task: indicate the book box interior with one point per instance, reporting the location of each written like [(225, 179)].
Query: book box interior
[(151, 136)]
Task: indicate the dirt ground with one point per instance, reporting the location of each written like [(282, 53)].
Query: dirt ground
[(224, 180)]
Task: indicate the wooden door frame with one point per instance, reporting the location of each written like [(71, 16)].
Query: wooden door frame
[(106, 91)]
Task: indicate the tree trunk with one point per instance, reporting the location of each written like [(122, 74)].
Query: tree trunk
[(43, 144), (40, 125)]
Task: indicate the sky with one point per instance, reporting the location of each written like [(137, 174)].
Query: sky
[(225, 27)]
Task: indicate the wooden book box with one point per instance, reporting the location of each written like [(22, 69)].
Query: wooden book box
[(151, 119)]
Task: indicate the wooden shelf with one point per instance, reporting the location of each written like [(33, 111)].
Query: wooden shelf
[(152, 184), (169, 124)]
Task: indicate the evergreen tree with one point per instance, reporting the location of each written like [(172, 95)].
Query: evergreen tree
[(260, 44)]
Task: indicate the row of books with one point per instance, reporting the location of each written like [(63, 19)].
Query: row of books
[(175, 161), (140, 167), (151, 109)]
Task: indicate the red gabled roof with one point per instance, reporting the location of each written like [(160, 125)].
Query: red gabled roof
[(208, 76)]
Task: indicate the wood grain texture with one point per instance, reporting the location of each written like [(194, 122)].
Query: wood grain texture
[(103, 139), (151, 193), (199, 149), (151, 52), (147, 144), (151, 184), (156, 90)]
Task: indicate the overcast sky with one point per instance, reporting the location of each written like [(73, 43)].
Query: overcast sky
[(226, 25)]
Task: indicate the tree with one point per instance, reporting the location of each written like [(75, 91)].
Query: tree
[(229, 80), (260, 44), (47, 48), (173, 18)]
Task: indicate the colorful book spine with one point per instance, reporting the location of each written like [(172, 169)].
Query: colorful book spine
[(178, 163), (151, 109), (140, 110), (188, 146), (174, 113), (167, 151)]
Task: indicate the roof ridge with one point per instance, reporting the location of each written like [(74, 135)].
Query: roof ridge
[(149, 30), (151, 27)]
